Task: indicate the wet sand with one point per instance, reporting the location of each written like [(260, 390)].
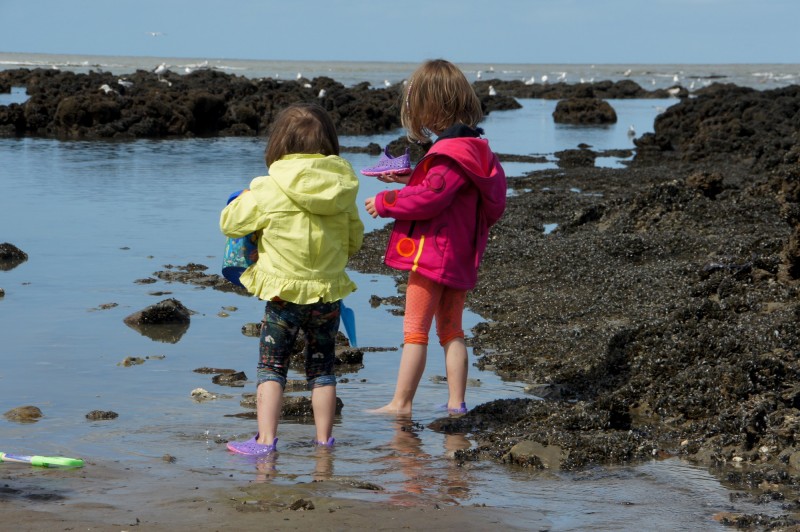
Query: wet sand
[(113, 498)]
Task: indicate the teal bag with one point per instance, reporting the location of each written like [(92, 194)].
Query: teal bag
[(239, 254)]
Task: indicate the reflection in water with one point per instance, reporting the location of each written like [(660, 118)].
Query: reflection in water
[(8, 265), (323, 469), (170, 333), (266, 467), (457, 485), (424, 475)]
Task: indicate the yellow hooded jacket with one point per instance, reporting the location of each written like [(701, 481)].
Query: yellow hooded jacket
[(306, 212)]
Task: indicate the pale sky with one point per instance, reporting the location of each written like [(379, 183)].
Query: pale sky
[(487, 31)]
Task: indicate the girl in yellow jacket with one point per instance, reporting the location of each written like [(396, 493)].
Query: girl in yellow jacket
[(305, 211)]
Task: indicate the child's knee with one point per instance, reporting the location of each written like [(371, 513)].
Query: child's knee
[(446, 338)]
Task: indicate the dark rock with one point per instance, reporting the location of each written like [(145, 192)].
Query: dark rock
[(11, 256), (236, 379), (96, 415), (584, 111), (581, 158), (166, 321), (708, 183), (166, 312)]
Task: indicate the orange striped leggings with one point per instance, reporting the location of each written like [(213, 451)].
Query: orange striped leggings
[(426, 299)]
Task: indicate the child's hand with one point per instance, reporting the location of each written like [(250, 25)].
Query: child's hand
[(369, 203), (391, 177)]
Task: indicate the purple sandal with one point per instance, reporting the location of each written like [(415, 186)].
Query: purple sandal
[(252, 448), (400, 165), (328, 443), (460, 411)]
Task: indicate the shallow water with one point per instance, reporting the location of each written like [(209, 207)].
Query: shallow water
[(95, 217)]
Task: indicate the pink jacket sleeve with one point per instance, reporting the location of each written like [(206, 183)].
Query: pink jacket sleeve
[(422, 201)]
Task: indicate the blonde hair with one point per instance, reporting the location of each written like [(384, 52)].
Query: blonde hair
[(438, 96), (301, 128)]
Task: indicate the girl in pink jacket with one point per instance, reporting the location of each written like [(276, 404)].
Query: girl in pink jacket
[(442, 220)]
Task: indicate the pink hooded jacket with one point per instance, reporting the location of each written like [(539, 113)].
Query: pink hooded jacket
[(443, 215)]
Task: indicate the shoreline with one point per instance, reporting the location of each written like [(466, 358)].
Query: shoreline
[(646, 319)]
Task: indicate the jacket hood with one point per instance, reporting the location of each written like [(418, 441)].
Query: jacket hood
[(319, 184), (481, 166)]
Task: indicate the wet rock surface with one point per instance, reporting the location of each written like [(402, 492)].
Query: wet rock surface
[(660, 318)]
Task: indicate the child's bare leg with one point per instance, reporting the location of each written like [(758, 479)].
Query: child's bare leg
[(455, 359), (412, 366), (323, 402), (269, 397)]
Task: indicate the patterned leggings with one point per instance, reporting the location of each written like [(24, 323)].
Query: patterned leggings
[(279, 328)]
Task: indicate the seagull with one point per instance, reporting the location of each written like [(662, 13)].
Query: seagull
[(478, 75), (188, 70), (631, 131), (627, 73), (492, 92), (306, 85), (105, 88), (387, 83), (299, 75), (322, 93), (156, 33), (125, 83), (674, 91), (160, 69), (544, 78), (676, 79)]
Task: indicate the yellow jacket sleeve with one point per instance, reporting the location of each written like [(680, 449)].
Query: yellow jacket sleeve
[(242, 216)]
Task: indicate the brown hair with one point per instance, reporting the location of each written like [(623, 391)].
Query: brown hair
[(301, 128), (438, 96)]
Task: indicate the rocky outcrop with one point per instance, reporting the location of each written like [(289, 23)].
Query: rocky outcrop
[(584, 111), (100, 105), (203, 103), (724, 121)]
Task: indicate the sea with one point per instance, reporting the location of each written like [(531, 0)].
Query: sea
[(97, 219)]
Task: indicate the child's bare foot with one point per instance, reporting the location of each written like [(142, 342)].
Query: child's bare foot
[(392, 410)]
